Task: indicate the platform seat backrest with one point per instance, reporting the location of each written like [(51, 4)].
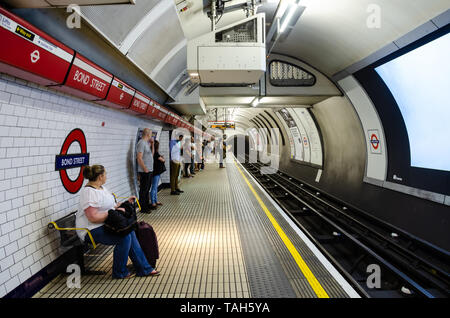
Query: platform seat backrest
[(68, 238)]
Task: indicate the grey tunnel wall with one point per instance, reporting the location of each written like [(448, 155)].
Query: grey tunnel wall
[(343, 172)]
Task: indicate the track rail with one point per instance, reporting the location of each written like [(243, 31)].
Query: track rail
[(355, 241)]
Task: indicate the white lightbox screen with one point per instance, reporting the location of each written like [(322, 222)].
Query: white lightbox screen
[(420, 84)]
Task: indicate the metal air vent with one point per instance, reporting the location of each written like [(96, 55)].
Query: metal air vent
[(245, 32), (286, 74)]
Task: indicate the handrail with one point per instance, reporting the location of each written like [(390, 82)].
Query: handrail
[(127, 198), (55, 226)]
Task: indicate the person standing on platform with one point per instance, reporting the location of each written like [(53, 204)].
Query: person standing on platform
[(175, 164), (145, 150), (158, 168), (187, 157), (222, 149), (193, 155)]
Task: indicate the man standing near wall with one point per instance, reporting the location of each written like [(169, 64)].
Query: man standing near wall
[(145, 150), (175, 164)]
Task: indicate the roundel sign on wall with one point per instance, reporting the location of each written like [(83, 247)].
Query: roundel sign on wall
[(65, 161), (374, 141)]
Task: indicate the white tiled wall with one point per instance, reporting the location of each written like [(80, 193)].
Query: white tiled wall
[(34, 121)]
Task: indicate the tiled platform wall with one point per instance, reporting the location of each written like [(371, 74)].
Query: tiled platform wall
[(34, 122)]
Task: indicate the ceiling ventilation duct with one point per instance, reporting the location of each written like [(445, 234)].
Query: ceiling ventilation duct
[(234, 55)]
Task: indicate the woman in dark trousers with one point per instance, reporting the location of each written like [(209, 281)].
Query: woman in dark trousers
[(158, 168)]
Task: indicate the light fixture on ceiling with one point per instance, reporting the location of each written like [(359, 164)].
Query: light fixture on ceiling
[(255, 102), (194, 77), (287, 18)]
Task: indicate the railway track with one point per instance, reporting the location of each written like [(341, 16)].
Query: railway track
[(360, 245)]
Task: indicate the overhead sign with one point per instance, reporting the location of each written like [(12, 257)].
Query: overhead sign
[(119, 95), (224, 126), (29, 53), (154, 110), (65, 161), (139, 103), (87, 80)]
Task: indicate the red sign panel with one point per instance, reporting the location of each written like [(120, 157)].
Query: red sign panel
[(140, 103), (162, 112), (30, 54), (119, 95), (170, 118), (155, 111), (87, 80)]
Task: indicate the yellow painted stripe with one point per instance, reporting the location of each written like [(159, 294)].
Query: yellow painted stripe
[(312, 280)]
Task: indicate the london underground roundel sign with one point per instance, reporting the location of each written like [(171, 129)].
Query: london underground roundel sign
[(65, 161)]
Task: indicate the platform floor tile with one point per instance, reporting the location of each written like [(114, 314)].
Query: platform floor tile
[(200, 250)]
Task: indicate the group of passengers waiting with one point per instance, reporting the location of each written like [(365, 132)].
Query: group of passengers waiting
[(188, 156), (96, 200)]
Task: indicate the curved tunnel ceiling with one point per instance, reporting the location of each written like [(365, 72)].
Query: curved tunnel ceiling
[(330, 35)]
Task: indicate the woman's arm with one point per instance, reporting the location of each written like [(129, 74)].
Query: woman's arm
[(95, 216), (161, 158)]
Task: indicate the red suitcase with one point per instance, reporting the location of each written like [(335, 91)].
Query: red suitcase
[(148, 241)]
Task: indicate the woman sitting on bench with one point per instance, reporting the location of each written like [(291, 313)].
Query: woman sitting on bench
[(95, 201)]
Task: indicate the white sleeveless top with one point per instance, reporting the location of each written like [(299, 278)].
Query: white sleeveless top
[(101, 199)]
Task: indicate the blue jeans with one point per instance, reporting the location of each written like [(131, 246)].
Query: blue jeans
[(154, 190), (124, 246)]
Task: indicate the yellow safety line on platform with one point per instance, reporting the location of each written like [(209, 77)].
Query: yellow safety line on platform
[(312, 280)]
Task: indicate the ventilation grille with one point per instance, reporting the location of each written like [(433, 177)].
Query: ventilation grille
[(245, 32), (285, 74)]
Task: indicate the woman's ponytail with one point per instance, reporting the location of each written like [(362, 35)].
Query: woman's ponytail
[(93, 172)]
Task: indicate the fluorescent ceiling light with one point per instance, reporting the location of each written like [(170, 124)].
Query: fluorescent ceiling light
[(193, 74), (288, 18)]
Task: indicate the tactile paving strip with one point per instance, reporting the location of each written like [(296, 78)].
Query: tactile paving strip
[(265, 271), (296, 278)]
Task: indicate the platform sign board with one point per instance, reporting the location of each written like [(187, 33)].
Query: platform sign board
[(86, 80), (163, 113), (119, 96), (374, 141), (28, 53), (155, 111), (311, 137), (291, 139), (71, 161), (297, 153), (304, 136), (65, 161), (140, 103)]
